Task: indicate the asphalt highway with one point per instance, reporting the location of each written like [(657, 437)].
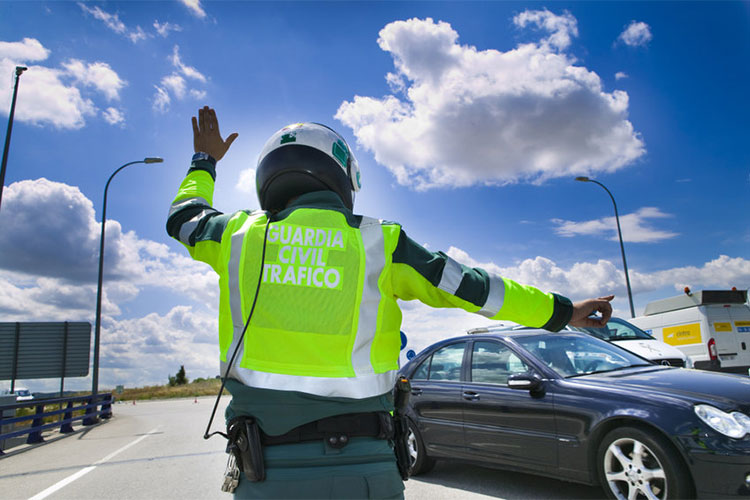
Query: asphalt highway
[(156, 450)]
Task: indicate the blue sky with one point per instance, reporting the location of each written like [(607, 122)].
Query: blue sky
[(469, 120)]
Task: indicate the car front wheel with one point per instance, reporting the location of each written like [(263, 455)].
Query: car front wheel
[(635, 463), (419, 462)]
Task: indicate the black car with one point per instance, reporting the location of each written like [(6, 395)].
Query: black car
[(577, 408)]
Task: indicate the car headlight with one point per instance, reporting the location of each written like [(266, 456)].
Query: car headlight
[(743, 420), (734, 425)]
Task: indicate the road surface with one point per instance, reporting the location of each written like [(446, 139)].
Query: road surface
[(156, 450)]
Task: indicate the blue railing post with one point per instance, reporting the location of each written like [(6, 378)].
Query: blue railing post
[(68, 425), (90, 412), (35, 436), (107, 406)]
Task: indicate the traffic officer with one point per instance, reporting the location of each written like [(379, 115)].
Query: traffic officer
[(308, 316)]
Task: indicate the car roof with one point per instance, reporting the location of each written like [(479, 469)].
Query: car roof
[(511, 330)]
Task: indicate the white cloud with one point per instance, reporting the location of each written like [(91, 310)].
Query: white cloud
[(163, 29), (52, 96), (113, 22), (424, 325), (620, 75), (51, 231), (161, 100), (48, 272), (113, 116), (98, 75), (634, 227), (186, 70), (161, 345), (490, 117), (176, 84), (593, 279), (195, 7), (46, 99), (197, 94), (137, 35), (637, 34), (561, 28), (29, 49), (246, 181)]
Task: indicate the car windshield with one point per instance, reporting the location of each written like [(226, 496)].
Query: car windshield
[(23, 392), (573, 355), (616, 329)]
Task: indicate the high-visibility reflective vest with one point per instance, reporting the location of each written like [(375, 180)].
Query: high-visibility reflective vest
[(326, 321)]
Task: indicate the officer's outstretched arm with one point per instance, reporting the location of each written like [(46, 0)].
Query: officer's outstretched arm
[(437, 280)]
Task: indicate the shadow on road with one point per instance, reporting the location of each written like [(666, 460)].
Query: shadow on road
[(504, 484)]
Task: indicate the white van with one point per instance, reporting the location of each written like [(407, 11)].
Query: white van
[(630, 337), (710, 326)]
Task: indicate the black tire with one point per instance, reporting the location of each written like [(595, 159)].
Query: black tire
[(419, 462), (633, 458)]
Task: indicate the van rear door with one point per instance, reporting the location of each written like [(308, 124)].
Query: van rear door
[(722, 330), (740, 317)]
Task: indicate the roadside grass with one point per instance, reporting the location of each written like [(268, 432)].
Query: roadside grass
[(199, 387)]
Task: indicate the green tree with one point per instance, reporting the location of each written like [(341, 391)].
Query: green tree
[(180, 378)]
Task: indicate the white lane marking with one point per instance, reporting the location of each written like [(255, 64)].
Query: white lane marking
[(86, 470)]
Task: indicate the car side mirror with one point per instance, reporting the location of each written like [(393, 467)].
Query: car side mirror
[(525, 381)]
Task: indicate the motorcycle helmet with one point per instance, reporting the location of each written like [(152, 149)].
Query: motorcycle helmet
[(302, 158)]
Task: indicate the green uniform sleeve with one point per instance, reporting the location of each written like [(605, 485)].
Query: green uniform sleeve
[(439, 281), (192, 221)]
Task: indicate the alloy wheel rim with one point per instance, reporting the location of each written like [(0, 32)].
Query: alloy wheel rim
[(634, 472), (411, 441)]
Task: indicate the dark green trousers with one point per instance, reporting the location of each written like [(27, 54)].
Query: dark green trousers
[(364, 468)]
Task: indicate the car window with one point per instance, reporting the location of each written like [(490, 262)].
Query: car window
[(446, 362), (493, 363), (421, 372), (574, 355), (616, 329)]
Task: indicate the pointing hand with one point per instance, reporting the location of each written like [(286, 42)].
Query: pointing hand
[(582, 310)]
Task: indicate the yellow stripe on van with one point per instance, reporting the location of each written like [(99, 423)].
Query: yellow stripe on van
[(722, 327), (683, 334)]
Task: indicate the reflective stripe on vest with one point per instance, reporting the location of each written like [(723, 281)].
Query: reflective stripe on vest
[(495, 297), (235, 268)]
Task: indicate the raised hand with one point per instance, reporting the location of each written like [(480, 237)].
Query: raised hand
[(206, 135)]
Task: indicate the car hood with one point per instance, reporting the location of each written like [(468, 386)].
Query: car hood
[(650, 349), (695, 386)]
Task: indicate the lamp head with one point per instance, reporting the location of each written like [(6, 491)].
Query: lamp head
[(583, 178), (153, 160), (20, 69)]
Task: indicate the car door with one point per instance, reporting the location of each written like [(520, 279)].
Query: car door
[(504, 425), (436, 400)]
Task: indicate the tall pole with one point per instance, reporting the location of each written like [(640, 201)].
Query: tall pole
[(19, 70), (98, 327), (622, 247)]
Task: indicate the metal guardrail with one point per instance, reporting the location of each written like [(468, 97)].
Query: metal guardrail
[(91, 415)]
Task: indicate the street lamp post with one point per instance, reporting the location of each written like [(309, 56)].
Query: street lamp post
[(97, 328), (619, 233), (19, 70)]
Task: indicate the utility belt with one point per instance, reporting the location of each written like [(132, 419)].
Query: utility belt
[(246, 439)]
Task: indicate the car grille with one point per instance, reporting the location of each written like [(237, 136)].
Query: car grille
[(671, 362)]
